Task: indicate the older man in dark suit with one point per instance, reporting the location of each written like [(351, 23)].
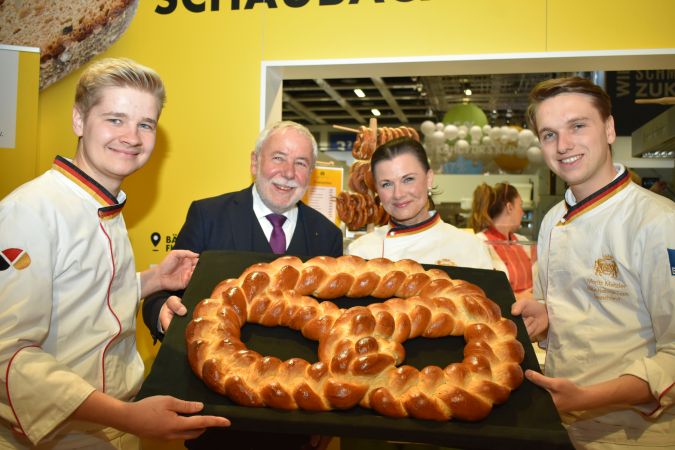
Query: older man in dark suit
[(266, 217), (281, 163)]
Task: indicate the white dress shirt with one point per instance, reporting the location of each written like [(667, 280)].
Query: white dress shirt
[(261, 211)]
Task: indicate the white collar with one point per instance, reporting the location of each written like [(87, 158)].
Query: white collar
[(571, 200), (261, 210)]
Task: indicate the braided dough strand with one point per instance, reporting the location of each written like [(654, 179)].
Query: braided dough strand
[(360, 347)]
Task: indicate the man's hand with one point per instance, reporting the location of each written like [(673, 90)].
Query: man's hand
[(164, 417), (158, 417), (172, 307), (626, 391), (172, 274), (566, 395), (535, 317), (175, 270)]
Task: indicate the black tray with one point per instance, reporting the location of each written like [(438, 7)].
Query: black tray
[(527, 420)]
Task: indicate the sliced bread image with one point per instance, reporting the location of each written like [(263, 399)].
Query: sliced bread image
[(68, 32)]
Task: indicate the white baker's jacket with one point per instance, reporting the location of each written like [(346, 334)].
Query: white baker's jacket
[(609, 288), (69, 294), (432, 242)]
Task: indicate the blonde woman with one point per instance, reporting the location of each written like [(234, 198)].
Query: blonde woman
[(496, 215)]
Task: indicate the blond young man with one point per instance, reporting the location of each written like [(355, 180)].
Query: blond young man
[(69, 367)]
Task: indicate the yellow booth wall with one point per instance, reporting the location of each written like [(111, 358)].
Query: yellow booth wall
[(19, 164), (211, 64)]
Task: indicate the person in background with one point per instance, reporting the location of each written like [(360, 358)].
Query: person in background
[(404, 180), (605, 288), (496, 213), (68, 361), (282, 162)]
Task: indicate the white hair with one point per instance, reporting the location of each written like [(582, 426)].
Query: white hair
[(284, 125)]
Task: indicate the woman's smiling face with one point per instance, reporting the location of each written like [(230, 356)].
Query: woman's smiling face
[(403, 186)]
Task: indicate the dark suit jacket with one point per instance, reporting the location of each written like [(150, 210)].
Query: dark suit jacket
[(227, 222)]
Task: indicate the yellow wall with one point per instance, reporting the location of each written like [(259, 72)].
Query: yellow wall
[(609, 25), (19, 163), (211, 64)]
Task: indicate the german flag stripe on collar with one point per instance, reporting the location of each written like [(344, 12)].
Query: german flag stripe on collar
[(402, 230), (109, 206), (597, 198)]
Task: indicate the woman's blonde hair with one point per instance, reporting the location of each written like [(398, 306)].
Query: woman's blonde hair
[(488, 203)]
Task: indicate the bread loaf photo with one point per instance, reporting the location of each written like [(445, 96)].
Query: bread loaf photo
[(68, 33)]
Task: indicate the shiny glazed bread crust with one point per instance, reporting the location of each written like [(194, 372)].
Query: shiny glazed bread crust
[(360, 347)]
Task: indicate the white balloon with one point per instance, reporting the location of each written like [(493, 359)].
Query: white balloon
[(525, 138), (440, 126), (534, 155), (438, 137), (486, 141), (450, 132), (486, 129), (495, 133), (462, 147), (462, 132), (427, 127), (476, 133), (512, 134)]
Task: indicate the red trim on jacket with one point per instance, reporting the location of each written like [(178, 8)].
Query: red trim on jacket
[(119, 324)]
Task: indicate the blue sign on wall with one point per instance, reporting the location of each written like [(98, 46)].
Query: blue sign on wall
[(341, 142)]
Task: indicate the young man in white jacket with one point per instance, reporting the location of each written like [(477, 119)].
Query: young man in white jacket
[(606, 281), (69, 367)]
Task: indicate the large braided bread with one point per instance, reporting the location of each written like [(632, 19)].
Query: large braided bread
[(360, 347)]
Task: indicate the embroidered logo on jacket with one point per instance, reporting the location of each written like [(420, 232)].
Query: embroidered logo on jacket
[(14, 257), (606, 266), (606, 284)]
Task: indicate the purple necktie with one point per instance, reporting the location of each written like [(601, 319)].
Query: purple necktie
[(278, 238)]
